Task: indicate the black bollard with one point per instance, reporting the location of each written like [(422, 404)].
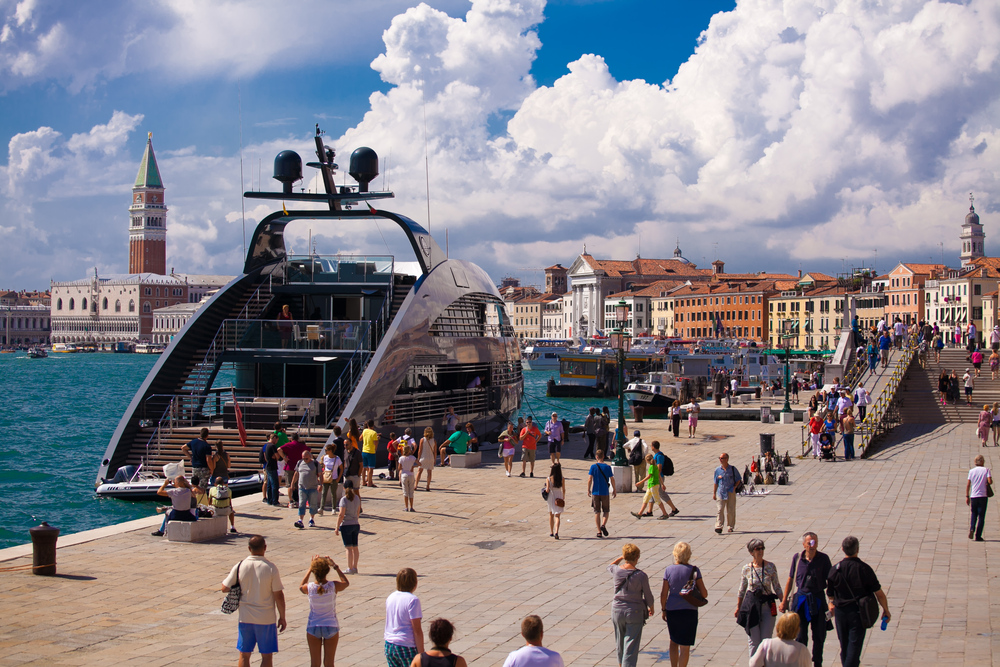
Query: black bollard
[(43, 549)]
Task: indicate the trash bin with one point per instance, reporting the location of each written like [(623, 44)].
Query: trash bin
[(637, 411), (756, 392), (43, 548), (765, 414), (766, 443)]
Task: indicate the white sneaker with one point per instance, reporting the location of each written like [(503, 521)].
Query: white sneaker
[(508, 474)]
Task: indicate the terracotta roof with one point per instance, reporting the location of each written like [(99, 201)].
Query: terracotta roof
[(818, 276), (926, 269), (645, 267), (992, 262), (556, 267), (723, 277)]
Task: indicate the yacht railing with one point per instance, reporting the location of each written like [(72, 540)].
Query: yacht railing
[(349, 335), (342, 388), (347, 269), (431, 406), (883, 414)]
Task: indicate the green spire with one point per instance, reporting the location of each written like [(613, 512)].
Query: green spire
[(149, 173)]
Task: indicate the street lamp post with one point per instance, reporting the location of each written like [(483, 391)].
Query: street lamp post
[(621, 342), (788, 381)]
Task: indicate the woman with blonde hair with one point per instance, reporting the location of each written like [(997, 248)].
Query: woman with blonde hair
[(322, 628), (426, 451), (680, 615), (631, 605), (783, 650)]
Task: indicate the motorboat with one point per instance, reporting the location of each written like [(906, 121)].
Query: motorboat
[(37, 352), (63, 348), (656, 392), (311, 340), (134, 483), (148, 348), (544, 354)]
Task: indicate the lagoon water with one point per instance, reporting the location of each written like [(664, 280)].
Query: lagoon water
[(59, 413)]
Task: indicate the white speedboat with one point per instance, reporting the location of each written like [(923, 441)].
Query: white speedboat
[(134, 483), (544, 354)]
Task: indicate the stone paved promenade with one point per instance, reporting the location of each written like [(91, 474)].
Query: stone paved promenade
[(480, 544)]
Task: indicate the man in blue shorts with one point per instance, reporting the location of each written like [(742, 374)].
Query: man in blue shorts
[(601, 488), (262, 593)]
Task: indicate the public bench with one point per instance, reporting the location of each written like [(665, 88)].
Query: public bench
[(197, 531), (467, 460)]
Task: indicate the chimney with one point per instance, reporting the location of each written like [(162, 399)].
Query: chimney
[(800, 273)]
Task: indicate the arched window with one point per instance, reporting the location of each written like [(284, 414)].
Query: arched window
[(72, 304), (118, 306), (59, 304), (131, 306), (146, 307), (104, 304), (83, 303)]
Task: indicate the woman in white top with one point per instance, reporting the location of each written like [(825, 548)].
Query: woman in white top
[(322, 628), (783, 650), (406, 477), (330, 478), (426, 451), (556, 487)]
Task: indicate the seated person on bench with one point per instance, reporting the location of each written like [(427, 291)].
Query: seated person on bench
[(180, 501), (460, 442)]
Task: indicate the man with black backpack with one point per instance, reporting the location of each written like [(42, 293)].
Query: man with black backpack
[(853, 590), (666, 467)]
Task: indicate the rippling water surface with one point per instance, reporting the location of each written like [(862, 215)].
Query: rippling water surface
[(58, 414)]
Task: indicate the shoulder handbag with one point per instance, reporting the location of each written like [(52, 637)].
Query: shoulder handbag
[(989, 490), (232, 601), (868, 607), (737, 481), (690, 593), (545, 494)]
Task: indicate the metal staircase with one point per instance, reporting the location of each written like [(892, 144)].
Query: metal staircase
[(201, 374)]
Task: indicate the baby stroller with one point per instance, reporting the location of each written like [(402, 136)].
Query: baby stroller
[(827, 447)]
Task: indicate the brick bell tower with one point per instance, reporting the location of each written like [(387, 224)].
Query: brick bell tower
[(147, 232)]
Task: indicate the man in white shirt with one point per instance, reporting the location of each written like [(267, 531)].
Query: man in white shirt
[(533, 654), (898, 333), (976, 496), (262, 593), (639, 469)]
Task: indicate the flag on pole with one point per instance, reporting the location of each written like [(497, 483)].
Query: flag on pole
[(283, 208), (370, 208), (239, 419)]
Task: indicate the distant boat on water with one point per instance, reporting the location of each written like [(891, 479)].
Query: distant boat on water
[(63, 348), (37, 352)]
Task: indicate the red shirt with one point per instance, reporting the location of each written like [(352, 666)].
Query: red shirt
[(815, 425), (293, 453), (529, 436)]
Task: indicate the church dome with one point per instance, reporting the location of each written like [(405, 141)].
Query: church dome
[(677, 254), (972, 218)]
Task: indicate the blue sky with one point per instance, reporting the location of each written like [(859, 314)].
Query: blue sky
[(772, 134)]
